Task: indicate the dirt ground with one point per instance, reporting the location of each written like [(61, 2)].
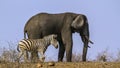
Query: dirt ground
[(62, 65)]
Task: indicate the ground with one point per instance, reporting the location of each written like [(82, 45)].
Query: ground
[(62, 65)]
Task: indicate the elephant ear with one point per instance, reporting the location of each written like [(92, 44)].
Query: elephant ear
[(78, 22)]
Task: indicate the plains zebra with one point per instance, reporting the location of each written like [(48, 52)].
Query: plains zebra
[(39, 45)]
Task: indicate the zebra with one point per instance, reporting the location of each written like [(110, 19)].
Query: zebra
[(39, 45)]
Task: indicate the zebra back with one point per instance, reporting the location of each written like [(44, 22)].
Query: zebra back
[(32, 44)]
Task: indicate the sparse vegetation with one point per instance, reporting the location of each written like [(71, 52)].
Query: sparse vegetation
[(8, 59), (104, 56), (76, 57), (118, 56), (8, 54)]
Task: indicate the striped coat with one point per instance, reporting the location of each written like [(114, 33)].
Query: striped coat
[(39, 45)]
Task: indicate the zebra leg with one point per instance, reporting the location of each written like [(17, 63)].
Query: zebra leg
[(34, 56), (19, 56), (26, 56), (42, 58)]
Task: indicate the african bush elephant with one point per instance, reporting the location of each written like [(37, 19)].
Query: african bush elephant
[(63, 24)]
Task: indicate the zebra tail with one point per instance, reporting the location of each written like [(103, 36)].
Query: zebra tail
[(18, 48)]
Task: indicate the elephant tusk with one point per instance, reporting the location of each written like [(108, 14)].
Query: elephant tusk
[(89, 46), (89, 40)]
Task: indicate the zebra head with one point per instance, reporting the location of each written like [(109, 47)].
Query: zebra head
[(54, 41)]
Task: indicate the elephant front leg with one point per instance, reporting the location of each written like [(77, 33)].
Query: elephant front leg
[(68, 48), (68, 43)]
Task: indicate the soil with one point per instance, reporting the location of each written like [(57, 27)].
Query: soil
[(62, 65)]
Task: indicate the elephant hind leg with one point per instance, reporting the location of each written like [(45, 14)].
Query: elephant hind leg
[(61, 52)]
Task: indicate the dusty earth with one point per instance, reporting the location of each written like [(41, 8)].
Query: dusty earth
[(62, 65)]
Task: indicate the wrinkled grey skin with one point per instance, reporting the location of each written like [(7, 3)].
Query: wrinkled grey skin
[(63, 24)]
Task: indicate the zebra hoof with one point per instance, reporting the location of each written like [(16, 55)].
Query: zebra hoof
[(39, 65), (51, 64)]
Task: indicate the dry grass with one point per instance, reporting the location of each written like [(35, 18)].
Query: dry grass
[(63, 65), (8, 60)]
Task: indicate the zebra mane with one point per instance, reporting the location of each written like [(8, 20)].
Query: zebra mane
[(47, 40)]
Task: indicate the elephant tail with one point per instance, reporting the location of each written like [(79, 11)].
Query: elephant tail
[(25, 34)]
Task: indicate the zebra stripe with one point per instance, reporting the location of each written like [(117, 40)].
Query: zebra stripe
[(39, 45), (26, 45), (29, 44)]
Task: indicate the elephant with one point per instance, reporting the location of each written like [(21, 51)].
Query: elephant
[(63, 25)]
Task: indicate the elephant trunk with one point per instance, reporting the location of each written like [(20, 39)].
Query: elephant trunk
[(84, 32)]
